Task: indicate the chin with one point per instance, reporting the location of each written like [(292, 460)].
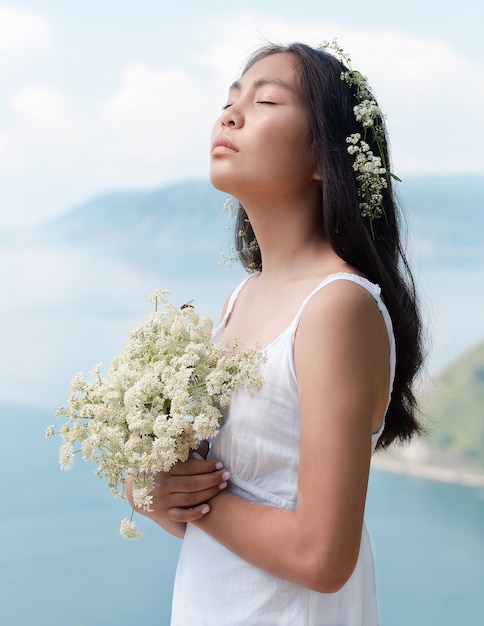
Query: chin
[(220, 182), (218, 185)]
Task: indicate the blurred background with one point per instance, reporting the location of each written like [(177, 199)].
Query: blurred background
[(106, 110)]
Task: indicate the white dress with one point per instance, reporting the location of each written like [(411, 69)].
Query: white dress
[(259, 445)]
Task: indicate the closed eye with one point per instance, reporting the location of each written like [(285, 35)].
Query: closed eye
[(227, 106)]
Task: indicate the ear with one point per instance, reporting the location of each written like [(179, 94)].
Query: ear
[(316, 171)]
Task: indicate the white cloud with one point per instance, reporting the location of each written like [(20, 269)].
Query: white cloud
[(44, 124), (154, 127), (22, 33), (154, 115)]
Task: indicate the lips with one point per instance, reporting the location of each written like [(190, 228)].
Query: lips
[(223, 145)]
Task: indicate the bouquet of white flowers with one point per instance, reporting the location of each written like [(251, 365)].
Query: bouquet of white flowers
[(161, 397)]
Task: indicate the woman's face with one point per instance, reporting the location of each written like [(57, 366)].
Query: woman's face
[(261, 144)]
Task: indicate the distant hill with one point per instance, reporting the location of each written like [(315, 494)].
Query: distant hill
[(445, 214), (453, 413), (174, 224), (455, 408)]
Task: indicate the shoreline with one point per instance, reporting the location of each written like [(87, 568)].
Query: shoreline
[(431, 472)]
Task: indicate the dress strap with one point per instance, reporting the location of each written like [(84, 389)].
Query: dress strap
[(217, 331), (354, 278), (234, 296)]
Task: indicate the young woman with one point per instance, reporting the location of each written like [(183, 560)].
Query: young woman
[(273, 520)]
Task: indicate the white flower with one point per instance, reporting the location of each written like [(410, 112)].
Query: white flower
[(129, 530), (95, 370), (366, 112), (157, 296), (50, 431), (354, 139), (142, 497), (66, 456)]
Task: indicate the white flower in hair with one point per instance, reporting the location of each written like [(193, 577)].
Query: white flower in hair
[(372, 173)]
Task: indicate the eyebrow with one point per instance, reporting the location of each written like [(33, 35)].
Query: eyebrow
[(261, 82)]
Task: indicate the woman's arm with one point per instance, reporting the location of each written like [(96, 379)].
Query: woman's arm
[(341, 354)]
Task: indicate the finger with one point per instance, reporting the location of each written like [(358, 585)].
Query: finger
[(188, 515), (187, 500), (195, 466), (193, 483)]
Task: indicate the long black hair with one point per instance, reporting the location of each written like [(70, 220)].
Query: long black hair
[(376, 250)]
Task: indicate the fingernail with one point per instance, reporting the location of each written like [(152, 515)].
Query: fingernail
[(219, 465), (205, 509), (225, 475), (197, 456), (222, 485)]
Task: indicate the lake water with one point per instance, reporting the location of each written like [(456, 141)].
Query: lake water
[(64, 564)]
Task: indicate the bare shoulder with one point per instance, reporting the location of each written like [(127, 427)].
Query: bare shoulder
[(343, 304), (342, 327)]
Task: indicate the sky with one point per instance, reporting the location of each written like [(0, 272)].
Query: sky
[(104, 95)]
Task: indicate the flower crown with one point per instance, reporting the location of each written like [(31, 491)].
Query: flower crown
[(372, 173)]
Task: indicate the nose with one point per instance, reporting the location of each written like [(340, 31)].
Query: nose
[(231, 117)]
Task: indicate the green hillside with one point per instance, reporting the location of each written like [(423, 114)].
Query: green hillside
[(454, 406)]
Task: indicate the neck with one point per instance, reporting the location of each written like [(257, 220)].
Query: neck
[(289, 236)]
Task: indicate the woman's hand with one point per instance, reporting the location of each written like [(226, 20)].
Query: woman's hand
[(182, 494)]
